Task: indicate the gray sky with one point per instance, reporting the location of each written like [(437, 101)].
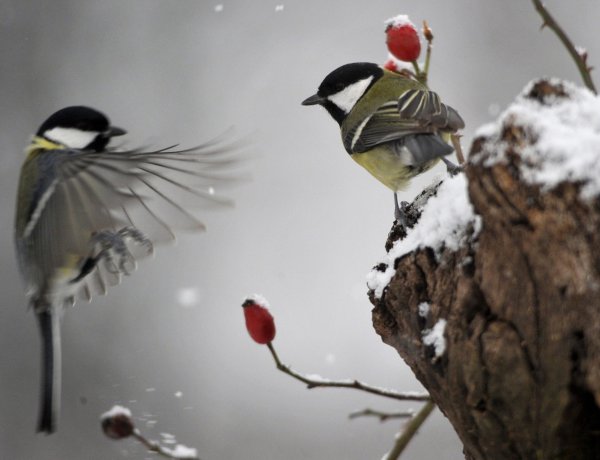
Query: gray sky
[(304, 233)]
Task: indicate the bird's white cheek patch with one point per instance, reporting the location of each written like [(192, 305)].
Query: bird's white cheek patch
[(71, 137), (346, 98)]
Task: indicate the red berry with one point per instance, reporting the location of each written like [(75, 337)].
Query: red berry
[(403, 41), (390, 64), (259, 322)]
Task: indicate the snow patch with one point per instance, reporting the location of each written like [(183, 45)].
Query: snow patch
[(258, 300), (116, 411), (443, 224), (423, 309), (399, 21), (567, 138), (435, 337)]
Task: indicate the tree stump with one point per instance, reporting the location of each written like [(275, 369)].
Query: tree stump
[(519, 377)]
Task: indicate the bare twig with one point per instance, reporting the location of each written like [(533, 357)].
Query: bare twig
[(428, 34), (117, 423), (316, 382), (410, 430), (153, 446), (382, 416), (580, 60)]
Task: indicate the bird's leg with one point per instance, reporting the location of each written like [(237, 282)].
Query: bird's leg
[(400, 212), (113, 245), (452, 169)]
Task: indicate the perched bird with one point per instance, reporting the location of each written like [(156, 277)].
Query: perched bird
[(391, 125), (86, 211)]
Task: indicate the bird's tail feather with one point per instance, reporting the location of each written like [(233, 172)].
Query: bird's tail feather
[(49, 323), (426, 147)]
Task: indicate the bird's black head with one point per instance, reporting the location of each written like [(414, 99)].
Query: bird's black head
[(79, 127), (342, 88)]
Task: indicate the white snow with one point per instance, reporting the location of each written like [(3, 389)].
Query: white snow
[(423, 309), (182, 452), (116, 411), (279, 8), (258, 300), (567, 133), (318, 379), (330, 358), (435, 337), (178, 394), (188, 297), (168, 438), (399, 21), (443, 223), (218, 8)]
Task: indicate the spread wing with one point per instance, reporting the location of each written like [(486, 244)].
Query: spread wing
[(417, 111), (89, 192)]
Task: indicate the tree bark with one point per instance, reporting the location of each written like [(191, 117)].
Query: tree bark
[(520, 377)]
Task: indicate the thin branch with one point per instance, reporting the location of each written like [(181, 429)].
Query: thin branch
[(428, 34), (316, 382), (117, 423), (580, 60), (410, 430), (415, 65), (155, 447), (382, 416), (455, 138)]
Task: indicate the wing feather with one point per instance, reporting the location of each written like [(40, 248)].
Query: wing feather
[(153, 191), (417, 111)]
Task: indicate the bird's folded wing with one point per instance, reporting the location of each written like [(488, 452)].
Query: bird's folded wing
[(416, 111)]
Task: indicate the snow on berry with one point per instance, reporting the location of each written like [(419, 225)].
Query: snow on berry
[(259, 322), (402, 38)]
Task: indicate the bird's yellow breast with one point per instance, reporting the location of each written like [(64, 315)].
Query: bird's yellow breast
[(388, 168)]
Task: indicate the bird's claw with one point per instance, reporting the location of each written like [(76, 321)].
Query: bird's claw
[(453, 169), (114, 251)]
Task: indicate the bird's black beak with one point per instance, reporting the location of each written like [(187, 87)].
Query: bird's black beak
[(313, 100), (115, 131)]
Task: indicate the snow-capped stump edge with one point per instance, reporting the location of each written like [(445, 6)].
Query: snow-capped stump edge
[(519, 376)]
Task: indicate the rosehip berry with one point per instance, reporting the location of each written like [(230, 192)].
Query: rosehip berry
[(390, 64), (259, 322), (402, 39), (117, 423)]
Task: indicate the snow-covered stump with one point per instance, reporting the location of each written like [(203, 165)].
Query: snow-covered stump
[(496, 307)]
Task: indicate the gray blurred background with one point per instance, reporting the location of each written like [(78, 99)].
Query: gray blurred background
[(170, 342)]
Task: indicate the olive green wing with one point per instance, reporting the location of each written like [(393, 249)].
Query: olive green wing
[(417, 111)]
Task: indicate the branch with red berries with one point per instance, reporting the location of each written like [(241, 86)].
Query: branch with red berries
[(404, 46), (578, 55), (261, 327), (117, 423)]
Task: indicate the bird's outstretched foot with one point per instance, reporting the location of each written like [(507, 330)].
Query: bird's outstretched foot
[(113, 248), (452, 168)]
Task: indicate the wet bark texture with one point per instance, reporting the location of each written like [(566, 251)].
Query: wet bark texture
[(520, 377)]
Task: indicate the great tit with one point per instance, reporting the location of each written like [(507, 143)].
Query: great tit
[(391, 125), (85, 211)]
